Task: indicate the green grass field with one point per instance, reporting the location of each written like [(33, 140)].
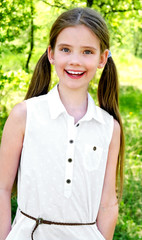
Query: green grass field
[(130, 216), (129, 225)]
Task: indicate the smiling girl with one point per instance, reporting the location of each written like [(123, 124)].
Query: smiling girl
[(68, 151)]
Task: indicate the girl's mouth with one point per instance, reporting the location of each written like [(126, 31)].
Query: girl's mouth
[(74, 74)]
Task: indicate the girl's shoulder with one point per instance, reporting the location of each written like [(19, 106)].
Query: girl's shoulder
[(19, 111), (36, 105), (106, 117), (109, 119), (99, 113), (16, 122), (37, 98), (19, 114)]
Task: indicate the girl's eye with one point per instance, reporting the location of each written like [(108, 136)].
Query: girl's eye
[(65, 50), (87, 52)]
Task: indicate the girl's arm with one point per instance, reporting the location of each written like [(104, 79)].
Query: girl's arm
[(108, 211), (10, 151)]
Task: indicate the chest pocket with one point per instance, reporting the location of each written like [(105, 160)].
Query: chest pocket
[(92, 157)]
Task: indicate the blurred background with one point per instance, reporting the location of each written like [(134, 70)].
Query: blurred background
[(25, 26)]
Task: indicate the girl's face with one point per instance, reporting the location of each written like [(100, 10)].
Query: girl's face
[(77, 56)]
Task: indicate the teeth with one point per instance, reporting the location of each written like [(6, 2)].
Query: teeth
[(75, 73)]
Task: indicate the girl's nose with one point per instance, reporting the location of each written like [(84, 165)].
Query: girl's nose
[(75, 59)]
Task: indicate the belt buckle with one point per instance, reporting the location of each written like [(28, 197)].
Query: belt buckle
[(39, 221)]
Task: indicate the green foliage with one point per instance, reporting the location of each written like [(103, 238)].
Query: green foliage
[(14, 207), (14, 18), (3, 117), (10, 83), (138, 42)]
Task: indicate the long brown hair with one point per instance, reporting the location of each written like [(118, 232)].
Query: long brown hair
[(108, 84)]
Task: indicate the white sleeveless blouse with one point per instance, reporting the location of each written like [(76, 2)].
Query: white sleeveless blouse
[(62, 170)]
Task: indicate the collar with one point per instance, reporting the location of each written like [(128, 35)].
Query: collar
[(56, 107), (93, 112)]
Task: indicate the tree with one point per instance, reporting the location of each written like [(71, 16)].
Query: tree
[(19, 26), (31, 35), (122, 16), (89, 3), (15, 17)]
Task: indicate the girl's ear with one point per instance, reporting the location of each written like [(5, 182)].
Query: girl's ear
[(50, 55), (103, 58)]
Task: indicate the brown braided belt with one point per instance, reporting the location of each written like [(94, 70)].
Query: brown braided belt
[(42, 221)]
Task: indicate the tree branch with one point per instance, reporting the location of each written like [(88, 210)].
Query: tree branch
[(55, 5), (31, 37)]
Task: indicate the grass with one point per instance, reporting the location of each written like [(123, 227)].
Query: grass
[(130, 216)]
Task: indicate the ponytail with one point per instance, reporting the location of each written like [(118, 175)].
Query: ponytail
[(41, 78), (108, 89)]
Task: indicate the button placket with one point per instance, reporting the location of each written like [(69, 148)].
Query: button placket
[(69, 158)]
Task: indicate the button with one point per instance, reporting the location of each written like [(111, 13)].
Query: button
[(71, 141), (77, 125), (69, 160), (68, 181), (94, 148)]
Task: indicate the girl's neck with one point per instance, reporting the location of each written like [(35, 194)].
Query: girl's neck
[(75, 101)]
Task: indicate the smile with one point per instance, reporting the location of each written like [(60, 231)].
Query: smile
[(75, 73)]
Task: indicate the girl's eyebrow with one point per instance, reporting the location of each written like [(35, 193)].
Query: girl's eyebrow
[(90, 47), (63, 44), (68, 45)]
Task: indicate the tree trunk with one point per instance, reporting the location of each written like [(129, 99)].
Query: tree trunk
[(31, 37), (89, 3)]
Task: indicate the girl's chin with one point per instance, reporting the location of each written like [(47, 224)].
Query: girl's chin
[(73, 85)]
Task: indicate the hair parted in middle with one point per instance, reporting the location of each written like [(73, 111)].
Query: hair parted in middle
[(108, 87), (78, 16)]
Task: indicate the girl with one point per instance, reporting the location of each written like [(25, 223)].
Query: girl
[(69, 149)]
